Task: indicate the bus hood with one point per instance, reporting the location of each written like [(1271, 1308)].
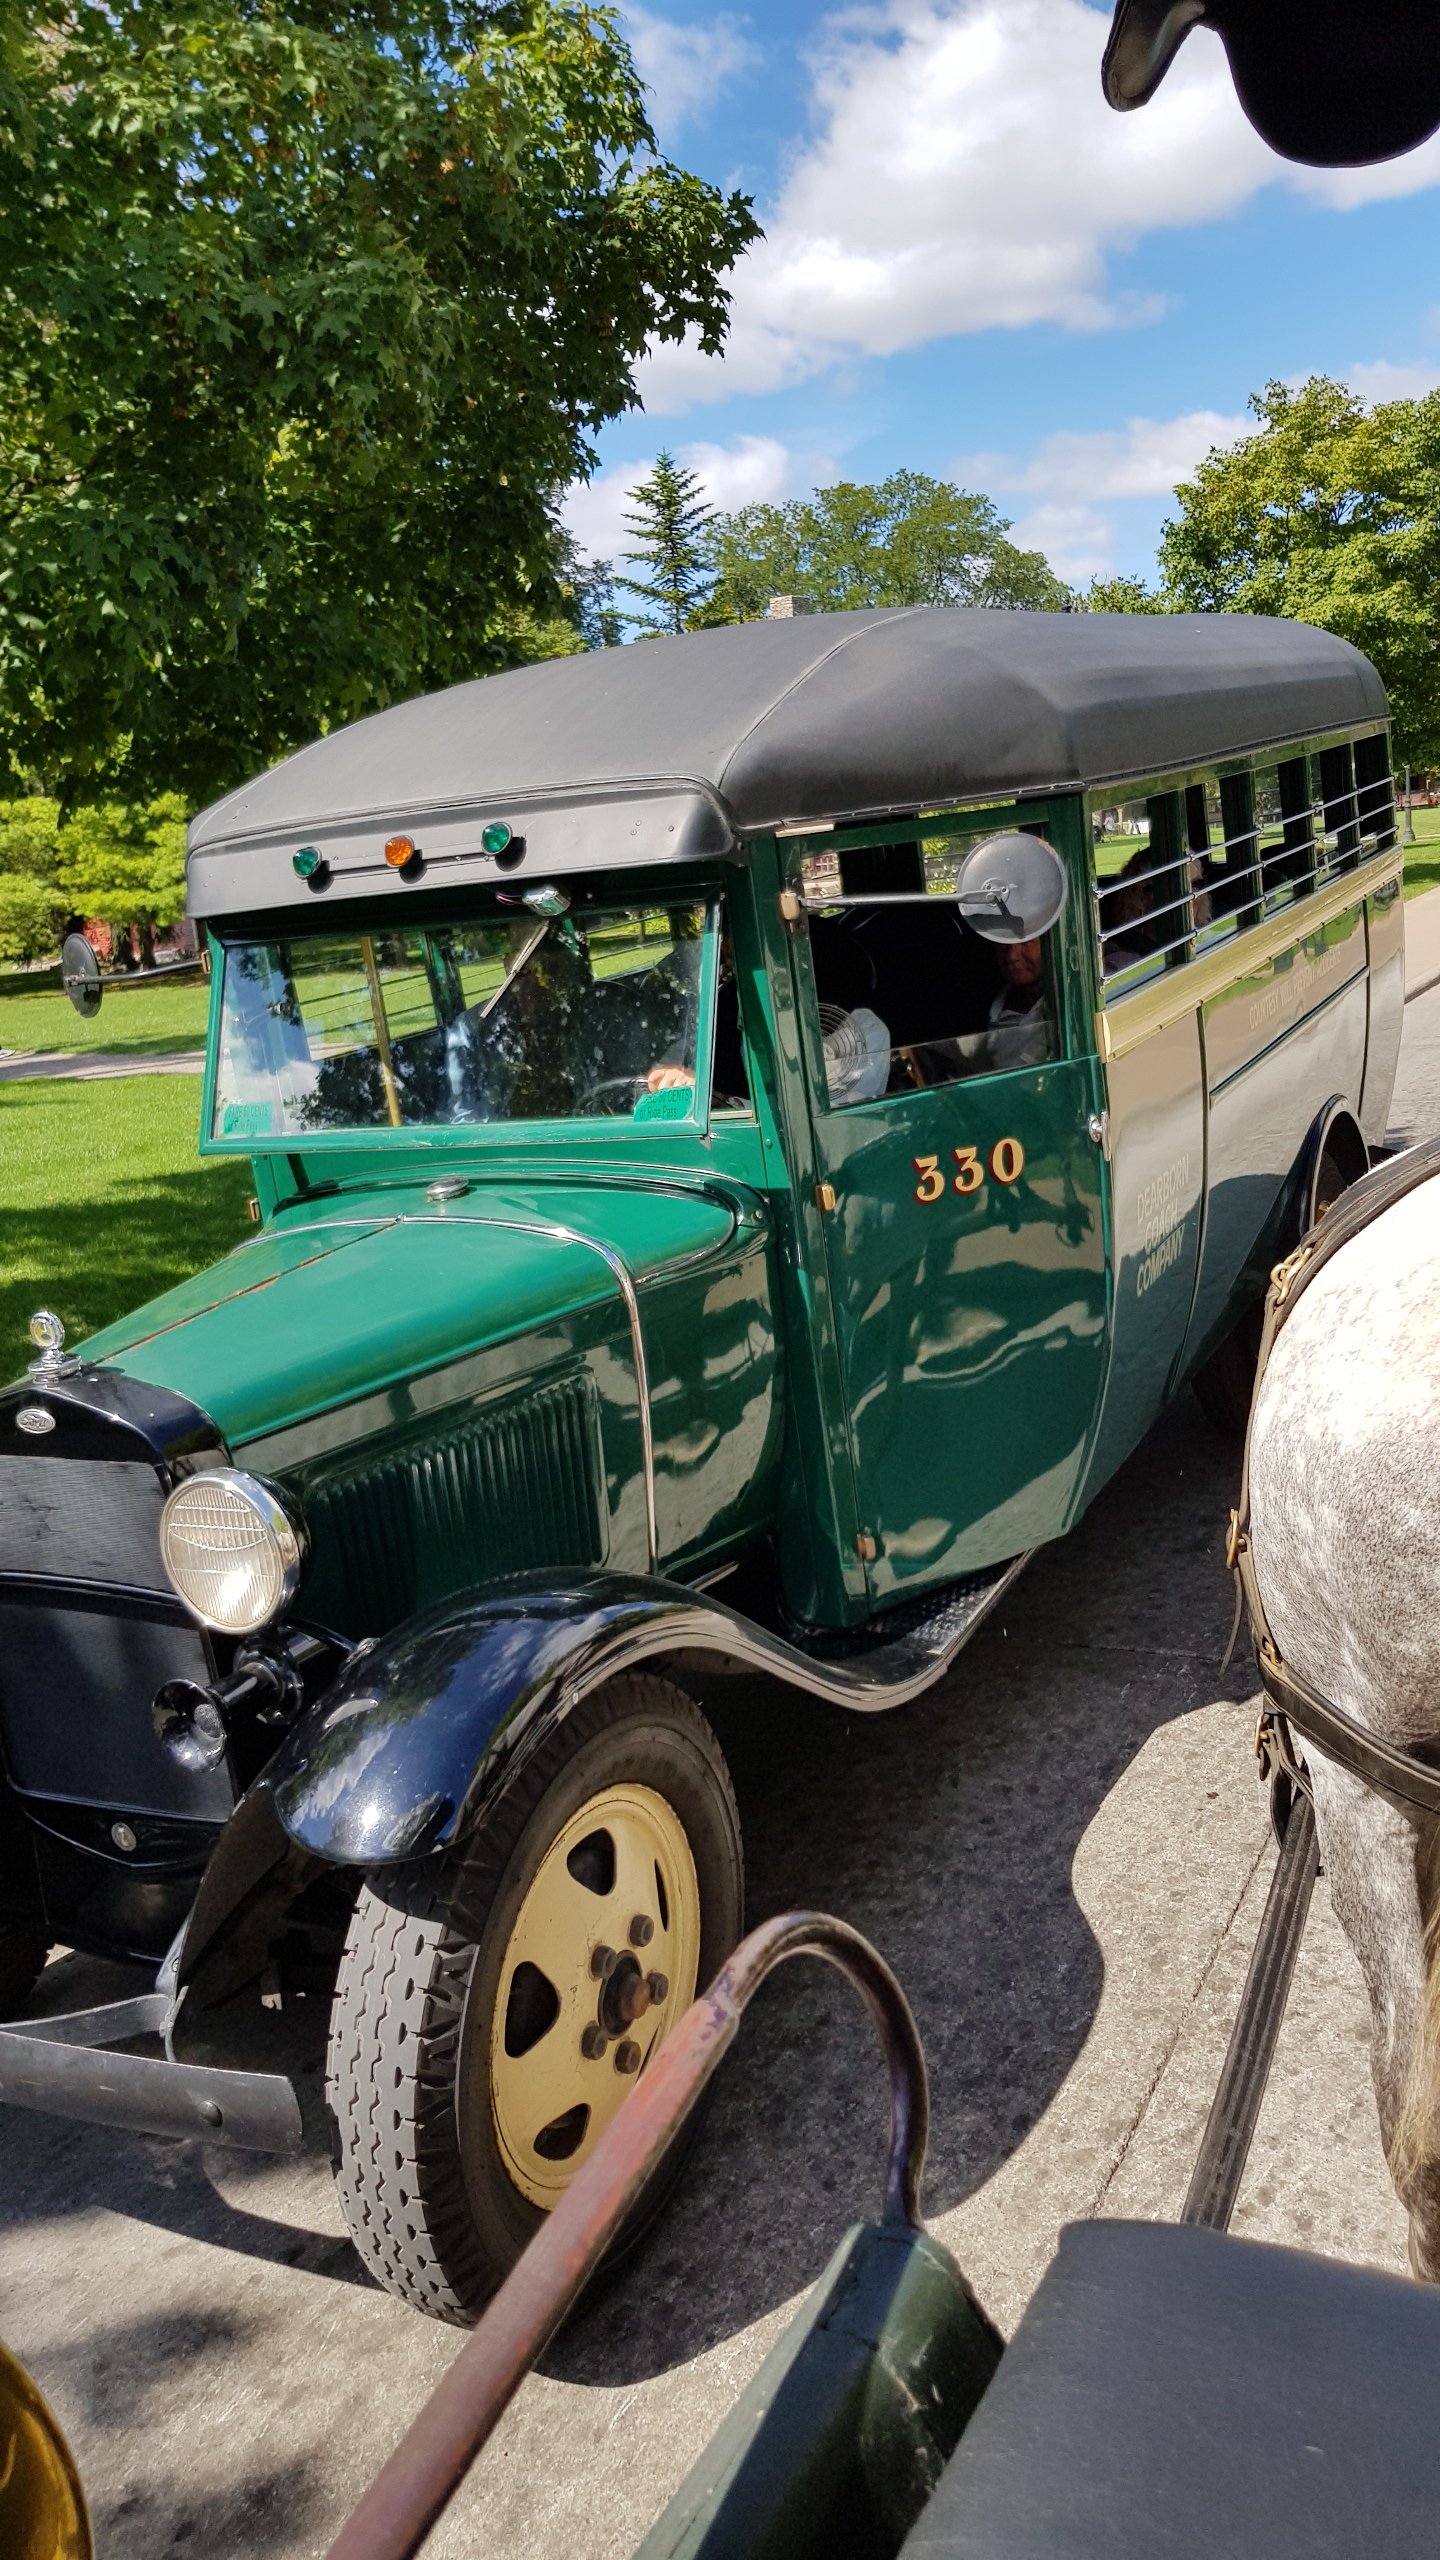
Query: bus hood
[(346, 1297)]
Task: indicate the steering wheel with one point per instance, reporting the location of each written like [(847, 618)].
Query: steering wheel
[(631, 1086)]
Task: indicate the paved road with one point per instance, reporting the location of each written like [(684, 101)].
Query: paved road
[(1063, 1851)]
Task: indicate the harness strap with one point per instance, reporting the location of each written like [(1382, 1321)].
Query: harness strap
[(1387, 1768), (1392, 1771)]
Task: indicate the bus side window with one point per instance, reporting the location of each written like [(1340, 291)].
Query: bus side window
[(1374, 794), (1335, 812), (1239, 837), (1285, 845), (1219, 838), (1143, 903)]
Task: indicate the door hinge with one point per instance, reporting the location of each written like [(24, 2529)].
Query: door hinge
[(790, 907), (825, 1195), (1098, 1130), (866, 1547)]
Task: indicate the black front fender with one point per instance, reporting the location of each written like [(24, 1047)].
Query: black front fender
[(401, 1756), (398, 1758)]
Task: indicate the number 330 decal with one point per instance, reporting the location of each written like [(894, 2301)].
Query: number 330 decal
[(1007, 1163)]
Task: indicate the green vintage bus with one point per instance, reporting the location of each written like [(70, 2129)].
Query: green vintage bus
[(748, 1131)]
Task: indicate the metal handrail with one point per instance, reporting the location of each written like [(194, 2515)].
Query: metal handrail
[(431, 2460)]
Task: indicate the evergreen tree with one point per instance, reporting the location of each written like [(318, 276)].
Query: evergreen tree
[(671, 524)]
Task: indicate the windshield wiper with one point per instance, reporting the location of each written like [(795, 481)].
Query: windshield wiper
[(521, 960)]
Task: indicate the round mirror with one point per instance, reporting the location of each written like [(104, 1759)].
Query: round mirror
[(1012, 888), (80, 974)]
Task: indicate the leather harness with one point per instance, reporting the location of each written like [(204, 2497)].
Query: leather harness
[(1406, 1775)]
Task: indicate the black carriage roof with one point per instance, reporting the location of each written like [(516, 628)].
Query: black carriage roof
[(681, 748)]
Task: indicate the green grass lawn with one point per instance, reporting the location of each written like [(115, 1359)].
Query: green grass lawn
[(130, 1022), (1422, 859), (103, 1200)]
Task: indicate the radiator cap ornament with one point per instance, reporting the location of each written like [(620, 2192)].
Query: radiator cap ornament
[(48, 1335)]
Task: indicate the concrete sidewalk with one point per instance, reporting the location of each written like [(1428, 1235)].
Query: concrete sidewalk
[(22, 1066), (1422, 943)]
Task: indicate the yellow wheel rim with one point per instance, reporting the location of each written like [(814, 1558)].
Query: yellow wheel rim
[(42, 2505), (602, 1960)]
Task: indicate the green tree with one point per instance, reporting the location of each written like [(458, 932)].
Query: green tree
[(126, 864), (905, 540), (587, 590), (1330, 512), (305, 313), (671, 524), (33, 902), (1123, 595)]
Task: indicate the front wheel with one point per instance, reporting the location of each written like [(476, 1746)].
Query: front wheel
[(494, 2009)]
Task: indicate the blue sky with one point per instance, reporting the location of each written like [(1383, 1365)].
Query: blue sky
[(973, 267)]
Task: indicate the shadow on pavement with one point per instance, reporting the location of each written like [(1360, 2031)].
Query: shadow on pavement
[(945, 1832)]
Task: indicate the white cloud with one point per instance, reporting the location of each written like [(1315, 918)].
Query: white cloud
[(685, 68), (745, 472), (964, 173), (1143, 459), (1384, 381), (1078, 542), (1072, 473)]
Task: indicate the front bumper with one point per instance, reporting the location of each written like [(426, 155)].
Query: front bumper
[(66, 2066)]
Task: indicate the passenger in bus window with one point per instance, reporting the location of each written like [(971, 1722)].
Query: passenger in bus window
[(1018, 1034), (1124, 920)]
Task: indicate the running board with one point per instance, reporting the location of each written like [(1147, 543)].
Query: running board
[(883, 1664)]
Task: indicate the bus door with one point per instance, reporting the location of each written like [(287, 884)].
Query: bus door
[(960, 1181)]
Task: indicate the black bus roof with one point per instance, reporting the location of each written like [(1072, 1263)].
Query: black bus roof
[(677, 748)]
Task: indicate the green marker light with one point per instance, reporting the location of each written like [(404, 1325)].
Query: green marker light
[(308, 861), (495, 837)]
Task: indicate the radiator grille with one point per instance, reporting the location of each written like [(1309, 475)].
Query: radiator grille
[(82, 1521), (505, 1490)]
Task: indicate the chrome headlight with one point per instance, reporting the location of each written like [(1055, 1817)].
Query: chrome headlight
[(232, 1552)]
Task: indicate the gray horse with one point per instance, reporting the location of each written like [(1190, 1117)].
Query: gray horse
[(1345, 1536)]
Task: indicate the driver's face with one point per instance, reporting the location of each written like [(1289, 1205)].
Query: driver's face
[(1023, 963)]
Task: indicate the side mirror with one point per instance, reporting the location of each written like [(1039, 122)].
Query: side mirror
[(80, 975), (1012, 888)]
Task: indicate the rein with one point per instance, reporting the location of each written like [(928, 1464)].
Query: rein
[(1405, 1776)]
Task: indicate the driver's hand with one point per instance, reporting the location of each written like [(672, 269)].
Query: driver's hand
[(668, 1079)]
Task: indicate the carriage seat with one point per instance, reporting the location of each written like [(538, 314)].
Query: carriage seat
[(845, 2430), (1175, 2391)]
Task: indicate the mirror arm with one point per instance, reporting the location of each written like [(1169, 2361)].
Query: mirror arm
[(821, 906), (988, 903)]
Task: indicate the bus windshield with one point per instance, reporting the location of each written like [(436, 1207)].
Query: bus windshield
[(590, 1013)]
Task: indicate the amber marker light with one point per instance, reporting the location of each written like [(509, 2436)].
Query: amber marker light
[(399, 850)]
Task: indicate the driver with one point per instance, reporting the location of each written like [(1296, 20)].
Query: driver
[(730, 1081)]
